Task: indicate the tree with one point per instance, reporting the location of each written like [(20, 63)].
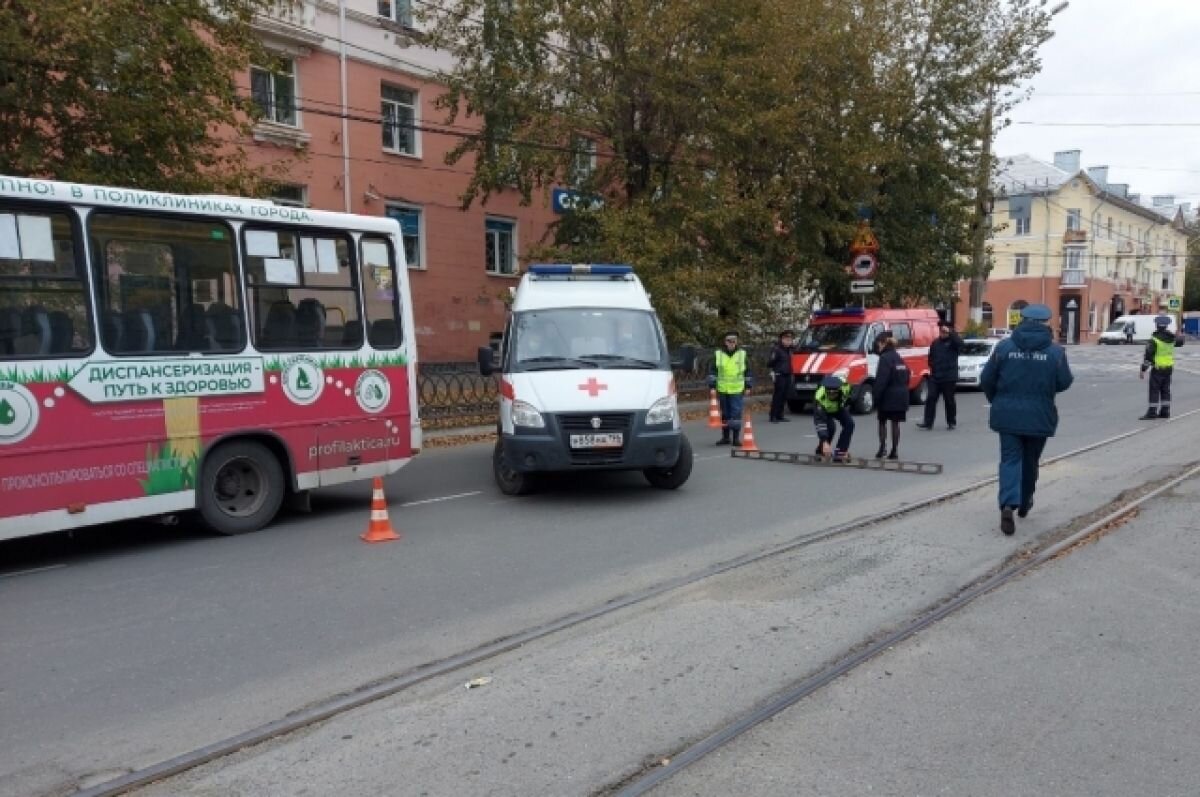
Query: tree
[(739, 142), (126, 92)]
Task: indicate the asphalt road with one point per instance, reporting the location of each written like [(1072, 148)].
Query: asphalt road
[(125, 645)]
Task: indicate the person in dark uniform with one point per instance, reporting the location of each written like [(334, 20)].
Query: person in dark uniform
[(780, 366), (943, 375), (890, 393), (1022, 377), (831, 406), (1159, 360)]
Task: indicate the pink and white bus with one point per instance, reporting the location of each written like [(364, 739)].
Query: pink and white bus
[(162, 352)]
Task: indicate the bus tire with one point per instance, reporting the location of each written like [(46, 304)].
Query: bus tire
[(672, 478), (510, 480), (241, 487)]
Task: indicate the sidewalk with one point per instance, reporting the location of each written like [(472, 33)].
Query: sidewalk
[(1077, 679)]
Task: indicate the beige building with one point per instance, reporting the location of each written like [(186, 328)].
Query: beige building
[(1089, 249)]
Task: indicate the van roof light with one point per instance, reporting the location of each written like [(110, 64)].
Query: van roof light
[(840, 311), (576, 270)]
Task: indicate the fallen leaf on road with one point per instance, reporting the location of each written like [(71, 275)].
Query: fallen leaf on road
[(477, 682)]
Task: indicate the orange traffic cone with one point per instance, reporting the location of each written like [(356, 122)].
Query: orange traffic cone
[(714, 411), (380, 528), (748, 443)]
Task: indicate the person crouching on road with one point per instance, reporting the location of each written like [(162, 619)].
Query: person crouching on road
[(1022, 377), (780, 366), (1160, 362), (732, 381), (943, 376), (831, 406), (890, 392)]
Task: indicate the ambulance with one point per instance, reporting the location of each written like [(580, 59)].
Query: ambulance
[(586, 381), (840, 342)]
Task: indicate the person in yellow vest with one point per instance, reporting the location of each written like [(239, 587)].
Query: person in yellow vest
[(1160, 362), (831, 405), (731, 378)]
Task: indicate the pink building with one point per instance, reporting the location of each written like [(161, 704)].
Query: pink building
[(379, 148)]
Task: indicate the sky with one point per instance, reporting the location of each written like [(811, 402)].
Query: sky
[(1119, 63)]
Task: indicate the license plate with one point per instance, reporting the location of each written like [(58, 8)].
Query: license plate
[(609, 440), (805, 386)]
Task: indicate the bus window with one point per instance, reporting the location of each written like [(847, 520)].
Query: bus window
[(166, 285), (302, 290), (43, 297), (379, 291)]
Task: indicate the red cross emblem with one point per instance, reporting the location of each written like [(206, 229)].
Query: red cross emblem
[(593, 387)]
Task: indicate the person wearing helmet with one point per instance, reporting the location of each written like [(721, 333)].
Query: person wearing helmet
[(831, 406), (1159, 360), (1021, 379), (731, 378), (890, 393)]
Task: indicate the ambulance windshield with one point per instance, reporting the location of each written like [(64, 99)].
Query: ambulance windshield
[(833, 337), (587, 338)]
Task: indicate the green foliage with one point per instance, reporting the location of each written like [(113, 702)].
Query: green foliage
[(737, 142), (975, 329), (131, 93)]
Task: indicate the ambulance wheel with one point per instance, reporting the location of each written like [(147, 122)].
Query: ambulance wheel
[(241, 487), (510, 480), (673, 477), (921, 394), (866, 400), (797, 406)]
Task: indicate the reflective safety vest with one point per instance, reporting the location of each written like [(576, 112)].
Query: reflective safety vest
[(1164, 353), (731, 371), (833, 401)]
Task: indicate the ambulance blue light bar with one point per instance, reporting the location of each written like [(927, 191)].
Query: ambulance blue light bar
[(572, 269), (841, 311)]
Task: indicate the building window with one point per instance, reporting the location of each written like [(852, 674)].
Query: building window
[(274, 92), (583, 161), (1110, 228), (292, 196), (987, 314), (501, 249), (410, 231), (1073, 258), (398, 11), (1093, 319), (399, 110), (1021, 265), (1074, 219), (1023, 225)]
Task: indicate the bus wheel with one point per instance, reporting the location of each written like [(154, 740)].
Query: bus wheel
[(673, 477), (241, 487), (510, 480)]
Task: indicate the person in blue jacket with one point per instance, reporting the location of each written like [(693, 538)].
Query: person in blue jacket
[(1022, 377)]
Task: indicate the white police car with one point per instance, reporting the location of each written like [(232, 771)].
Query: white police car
[(585, 380)]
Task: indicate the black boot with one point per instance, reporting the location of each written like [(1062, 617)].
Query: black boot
[(1151, 414), (1164, 413), (892, 454), (1024, 509), (724, 441), (1006, 521), (880, 453)]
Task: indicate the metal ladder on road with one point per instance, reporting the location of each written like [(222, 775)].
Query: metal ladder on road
[(796, 458)]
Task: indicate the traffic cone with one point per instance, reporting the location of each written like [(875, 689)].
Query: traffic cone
[(748, 443), (380, 528), (714, 411)]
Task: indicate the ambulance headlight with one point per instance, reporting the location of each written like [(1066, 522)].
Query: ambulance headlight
[(523, 414), (661, 412)]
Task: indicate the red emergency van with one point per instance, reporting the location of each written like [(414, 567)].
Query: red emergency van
[(840, 341)]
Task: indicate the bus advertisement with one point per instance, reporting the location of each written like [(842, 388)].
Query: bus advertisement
[(162, 353)]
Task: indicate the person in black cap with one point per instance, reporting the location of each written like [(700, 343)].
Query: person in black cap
[(831, 405), (943, 375), (780, 366), (731, 378), (1160, 362), (890, 392), (1022, 377)]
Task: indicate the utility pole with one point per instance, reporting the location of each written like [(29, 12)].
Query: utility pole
[(983, 202)]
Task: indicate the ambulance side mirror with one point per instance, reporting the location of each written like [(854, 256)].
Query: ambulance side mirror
[(686, 361), (487, 362)]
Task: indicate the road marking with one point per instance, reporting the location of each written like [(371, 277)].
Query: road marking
[(443, 498), (31, 571)]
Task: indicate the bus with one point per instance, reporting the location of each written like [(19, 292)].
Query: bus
[(161, 353)]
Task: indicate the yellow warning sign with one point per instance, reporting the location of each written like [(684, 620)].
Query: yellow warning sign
[(1014, 317), (864, 240)]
